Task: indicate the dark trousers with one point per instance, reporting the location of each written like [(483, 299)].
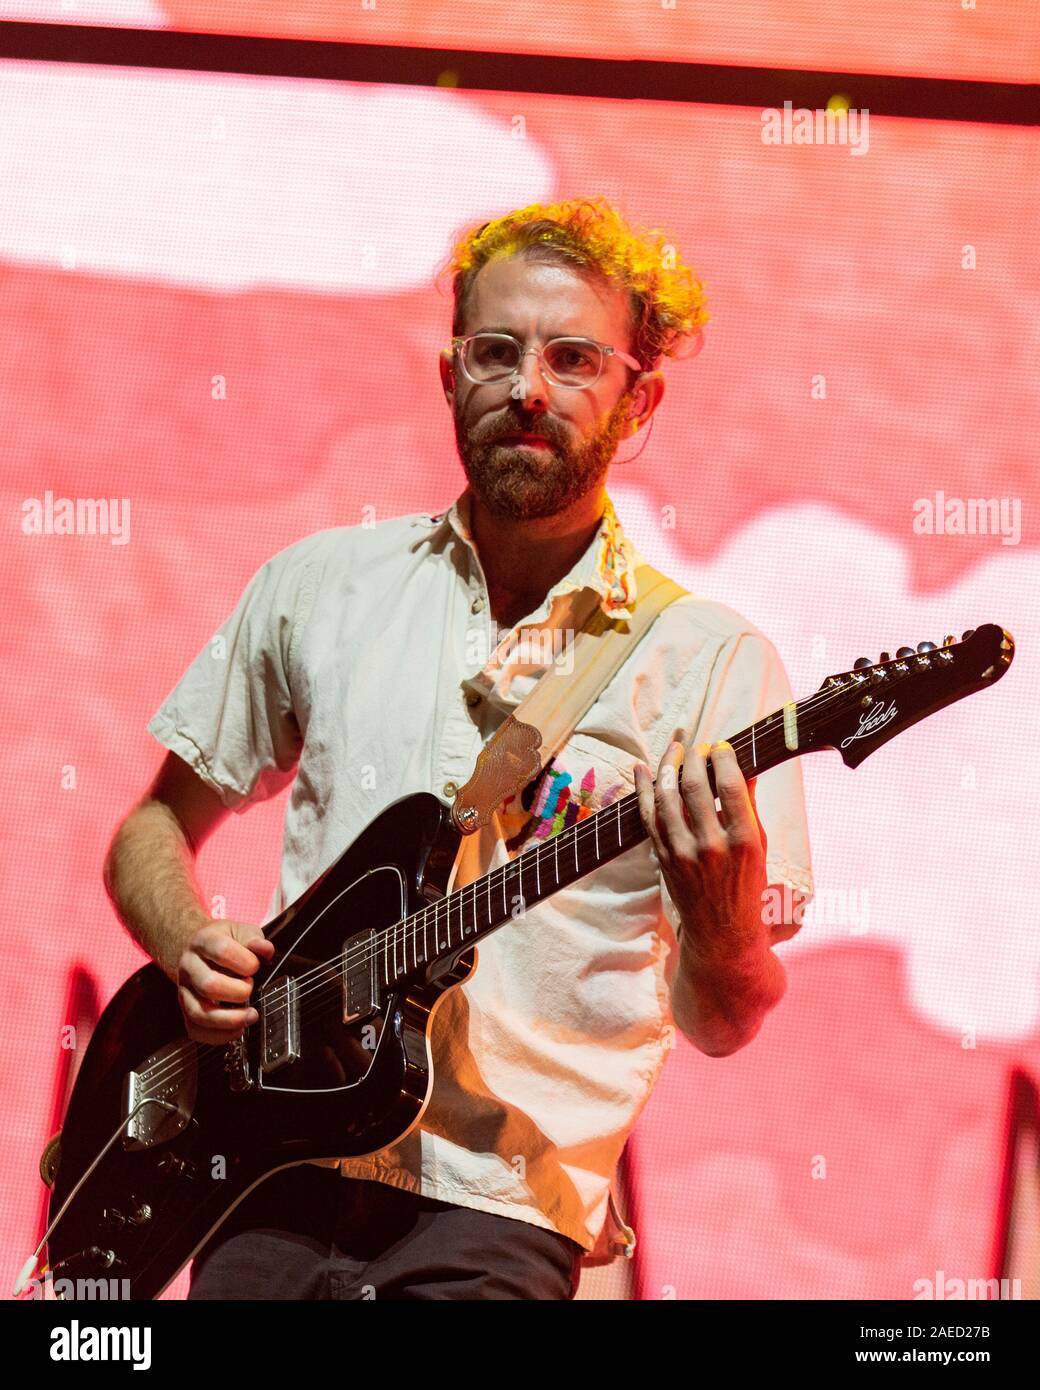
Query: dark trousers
[(310, 1233)]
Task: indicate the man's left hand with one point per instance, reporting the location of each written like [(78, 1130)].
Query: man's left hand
[(713, 862)]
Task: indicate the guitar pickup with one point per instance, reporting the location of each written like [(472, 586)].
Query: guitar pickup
[(280, 1030), (360, 991)]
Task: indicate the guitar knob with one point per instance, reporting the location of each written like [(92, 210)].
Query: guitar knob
[(949, 640), (965, 635), (884, 657), (104, 1259), (861, 661), (926, 646), (140, 1212), (904, 652)]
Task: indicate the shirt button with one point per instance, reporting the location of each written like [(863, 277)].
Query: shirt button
[(477, 604), (450, 789)]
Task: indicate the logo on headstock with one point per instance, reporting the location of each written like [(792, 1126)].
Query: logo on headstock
[(875, 718)]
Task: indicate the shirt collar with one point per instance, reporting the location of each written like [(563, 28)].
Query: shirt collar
[(608, 564)]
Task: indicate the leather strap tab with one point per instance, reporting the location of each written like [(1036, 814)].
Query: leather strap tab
[(507, 762)]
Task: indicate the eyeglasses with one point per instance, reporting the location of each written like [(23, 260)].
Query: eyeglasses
[(573, 362)]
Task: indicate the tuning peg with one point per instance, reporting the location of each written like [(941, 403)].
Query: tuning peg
[(965, 635), (861, 661), (949, 640), (884, 657), (926, 646), (904, 652)]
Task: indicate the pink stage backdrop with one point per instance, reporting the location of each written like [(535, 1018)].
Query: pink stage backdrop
[(995, 42), (218, 307)]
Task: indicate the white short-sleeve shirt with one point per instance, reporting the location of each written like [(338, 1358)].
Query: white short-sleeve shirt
[(361, 664)]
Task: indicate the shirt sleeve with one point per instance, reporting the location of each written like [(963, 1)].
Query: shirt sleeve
[(747, 682), (231, 716)]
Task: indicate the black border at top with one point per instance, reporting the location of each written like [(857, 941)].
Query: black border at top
[(922, 98)]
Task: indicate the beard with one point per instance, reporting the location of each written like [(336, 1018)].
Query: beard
[(519, 484)]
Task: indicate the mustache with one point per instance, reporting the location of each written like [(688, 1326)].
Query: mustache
[(515, 427)]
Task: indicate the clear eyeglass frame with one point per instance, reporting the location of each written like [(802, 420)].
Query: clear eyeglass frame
[(606, 350)]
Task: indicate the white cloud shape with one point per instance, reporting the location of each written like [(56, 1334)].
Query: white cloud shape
[(139, 14), (936, 833), (233, 182)]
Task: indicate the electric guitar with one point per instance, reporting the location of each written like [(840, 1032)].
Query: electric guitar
[(339, 1062)]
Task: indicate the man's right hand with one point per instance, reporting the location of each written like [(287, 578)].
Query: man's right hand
[(213, 979)]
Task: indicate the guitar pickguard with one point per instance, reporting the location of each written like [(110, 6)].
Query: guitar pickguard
[(306, 1043)]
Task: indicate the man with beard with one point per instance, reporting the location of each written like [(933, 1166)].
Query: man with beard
[(368, 662)]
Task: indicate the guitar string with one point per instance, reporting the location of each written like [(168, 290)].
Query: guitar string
[(494, 880), (579, 831), (409, 927), (327, 988)]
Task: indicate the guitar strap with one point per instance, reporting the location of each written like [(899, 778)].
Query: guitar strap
[(547, 716), (532, 733)]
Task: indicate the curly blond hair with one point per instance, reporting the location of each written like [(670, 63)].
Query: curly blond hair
[(590, 234)]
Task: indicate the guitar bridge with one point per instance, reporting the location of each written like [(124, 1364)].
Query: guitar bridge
[(280, 1030), (159, 1097)]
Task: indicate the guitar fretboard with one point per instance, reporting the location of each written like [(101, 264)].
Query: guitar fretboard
[(436, 934)]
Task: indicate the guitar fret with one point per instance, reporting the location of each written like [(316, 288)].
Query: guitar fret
[(396, 964)]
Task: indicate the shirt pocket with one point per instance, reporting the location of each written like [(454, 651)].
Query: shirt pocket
[(587, 776), (601, 978)]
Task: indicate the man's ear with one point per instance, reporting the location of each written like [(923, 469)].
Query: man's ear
[(446, 364), (648, 391)]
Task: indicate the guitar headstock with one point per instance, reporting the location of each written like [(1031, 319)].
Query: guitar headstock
[(859, 710)]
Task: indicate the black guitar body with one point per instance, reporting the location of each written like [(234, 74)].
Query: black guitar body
[(211, 1122)]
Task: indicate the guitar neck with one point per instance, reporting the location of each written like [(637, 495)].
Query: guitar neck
[(433, 937)]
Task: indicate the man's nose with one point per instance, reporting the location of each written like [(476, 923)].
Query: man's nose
[(528, 384)]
